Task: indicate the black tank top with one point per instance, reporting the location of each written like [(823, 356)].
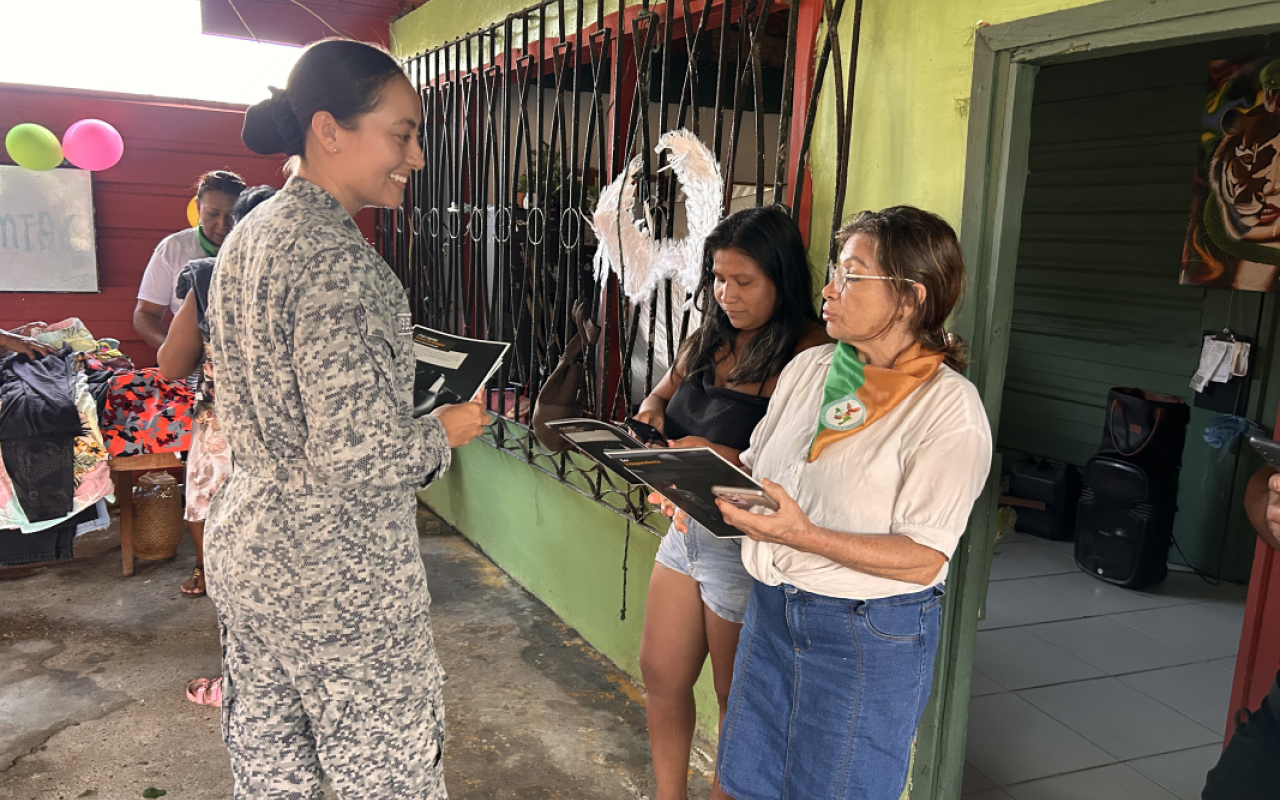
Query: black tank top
[(717, 414)]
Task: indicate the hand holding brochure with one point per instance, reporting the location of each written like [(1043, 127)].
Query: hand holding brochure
[(593, 437), (451, 369), (685, 476)]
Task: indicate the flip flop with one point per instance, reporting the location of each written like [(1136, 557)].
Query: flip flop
[(197, 575), (205, 691)]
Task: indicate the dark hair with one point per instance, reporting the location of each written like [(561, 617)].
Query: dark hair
[(919, 246), (769, 237), (250, 199), (341, 76), (219, 180)]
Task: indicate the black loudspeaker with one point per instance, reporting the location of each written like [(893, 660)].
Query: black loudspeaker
[(1053, 483), (1124, 523)]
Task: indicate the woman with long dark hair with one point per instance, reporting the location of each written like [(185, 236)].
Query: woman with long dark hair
[(756, 295), (312, 552)]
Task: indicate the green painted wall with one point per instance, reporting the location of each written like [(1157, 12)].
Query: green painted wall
[(911, 108), (562, 547), (427, 28)]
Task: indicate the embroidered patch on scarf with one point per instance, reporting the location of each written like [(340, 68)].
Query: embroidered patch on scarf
[(855, 394)]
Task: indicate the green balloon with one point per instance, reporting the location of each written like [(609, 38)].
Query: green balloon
[(33, 146)]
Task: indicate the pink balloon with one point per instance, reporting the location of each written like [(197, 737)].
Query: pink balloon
[(92, 144)]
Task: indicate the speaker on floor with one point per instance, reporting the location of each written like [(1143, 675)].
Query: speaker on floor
[(1054, 483), (1124, 523)]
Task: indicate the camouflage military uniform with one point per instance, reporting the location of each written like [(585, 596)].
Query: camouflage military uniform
[(311, 551)]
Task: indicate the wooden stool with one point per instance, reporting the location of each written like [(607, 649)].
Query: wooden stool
[(122, 470)]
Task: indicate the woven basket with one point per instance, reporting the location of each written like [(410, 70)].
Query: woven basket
[(157, 516)]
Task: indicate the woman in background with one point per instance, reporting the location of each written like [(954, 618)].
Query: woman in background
[(216, 194), (185, 352)]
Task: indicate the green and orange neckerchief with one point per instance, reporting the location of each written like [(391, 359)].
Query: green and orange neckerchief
[(857, 394), (210, 249)]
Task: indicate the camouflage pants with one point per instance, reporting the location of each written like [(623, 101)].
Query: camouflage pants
[(287, 723)]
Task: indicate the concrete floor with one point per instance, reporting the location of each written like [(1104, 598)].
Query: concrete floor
[(93, 665)]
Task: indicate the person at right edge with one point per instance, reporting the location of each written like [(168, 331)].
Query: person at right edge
[(1249, 767), (874, 449), (312, 554)]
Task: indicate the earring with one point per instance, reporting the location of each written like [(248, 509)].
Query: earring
[(335, 150)]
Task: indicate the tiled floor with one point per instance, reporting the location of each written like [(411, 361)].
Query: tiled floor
[(1086, 690)]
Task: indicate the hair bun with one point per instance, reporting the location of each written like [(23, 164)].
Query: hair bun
[(271, 127), (260, 133)]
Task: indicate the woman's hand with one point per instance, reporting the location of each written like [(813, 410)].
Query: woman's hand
[(690, 441), (1270, 527), (668, 508), (734, 457), (462, 422), (31, 348), (788, 525), (651, 416)]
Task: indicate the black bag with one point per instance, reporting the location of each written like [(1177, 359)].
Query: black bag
[(1147, 430), (1249, 767), (561, 396)]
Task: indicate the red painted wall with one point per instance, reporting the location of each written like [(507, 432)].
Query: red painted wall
[(1259, 655), (167, 144)]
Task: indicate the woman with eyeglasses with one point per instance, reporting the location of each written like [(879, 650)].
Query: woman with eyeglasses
[(875, 449)]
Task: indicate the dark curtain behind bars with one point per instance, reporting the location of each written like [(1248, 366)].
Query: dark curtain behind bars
[(527, 119)]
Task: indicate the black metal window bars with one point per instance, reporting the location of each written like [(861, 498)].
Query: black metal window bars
[(526, 120)]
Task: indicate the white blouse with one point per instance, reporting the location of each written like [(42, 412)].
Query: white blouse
[(160, 280), (915, 472)]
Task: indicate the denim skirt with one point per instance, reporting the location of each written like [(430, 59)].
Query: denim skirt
[(827, 694)]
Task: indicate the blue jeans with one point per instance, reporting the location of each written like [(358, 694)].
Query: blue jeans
[(827, 694)]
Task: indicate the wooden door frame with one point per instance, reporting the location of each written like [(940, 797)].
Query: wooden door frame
[(1006, 60)]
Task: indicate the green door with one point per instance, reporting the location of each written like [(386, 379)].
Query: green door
[(1007, 63)]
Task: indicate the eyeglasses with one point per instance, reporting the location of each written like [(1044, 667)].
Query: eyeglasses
[(842, 277)]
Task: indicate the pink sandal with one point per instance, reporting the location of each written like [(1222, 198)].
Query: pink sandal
[(205, 691)]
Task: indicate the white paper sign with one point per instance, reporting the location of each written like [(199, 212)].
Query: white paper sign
[(586, 437), (1220, 361), (47, 241), (439, 358)]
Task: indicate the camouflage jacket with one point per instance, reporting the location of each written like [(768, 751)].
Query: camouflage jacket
[(314, 537)]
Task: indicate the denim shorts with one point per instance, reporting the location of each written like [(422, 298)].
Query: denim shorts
[(827, 694), (715, 563)]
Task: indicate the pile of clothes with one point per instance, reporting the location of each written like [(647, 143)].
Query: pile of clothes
[(61, 418)]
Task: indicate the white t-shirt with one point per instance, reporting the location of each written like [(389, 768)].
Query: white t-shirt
[(160, 280), (915, 472)]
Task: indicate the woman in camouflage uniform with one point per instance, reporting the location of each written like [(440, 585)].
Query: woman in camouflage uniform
[(312, 552)]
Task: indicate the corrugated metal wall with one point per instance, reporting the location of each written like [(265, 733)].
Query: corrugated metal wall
[(138, 202), (1097, 303)]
